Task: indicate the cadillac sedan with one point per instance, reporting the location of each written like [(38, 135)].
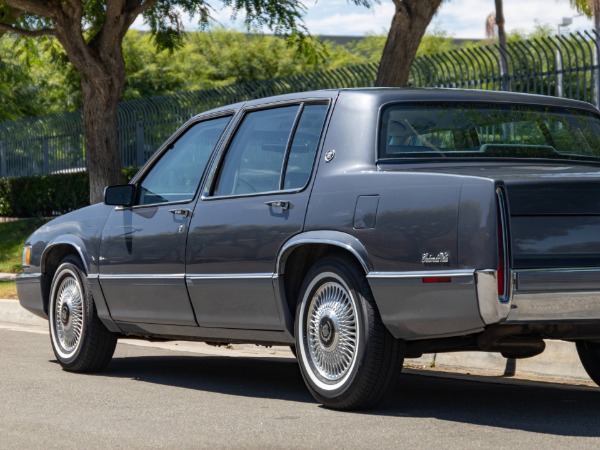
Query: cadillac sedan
[(359, 227)]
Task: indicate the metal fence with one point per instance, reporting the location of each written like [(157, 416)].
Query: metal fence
[(564, 66)]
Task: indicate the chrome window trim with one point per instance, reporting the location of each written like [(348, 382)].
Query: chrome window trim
[(253, 194)]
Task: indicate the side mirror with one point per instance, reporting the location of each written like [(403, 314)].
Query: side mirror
[(120, 195)]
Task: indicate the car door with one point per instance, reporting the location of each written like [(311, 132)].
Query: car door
[(142, 252), (255, 201)]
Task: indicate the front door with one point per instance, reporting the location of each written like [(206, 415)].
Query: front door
[(142, 253), (255, 203)]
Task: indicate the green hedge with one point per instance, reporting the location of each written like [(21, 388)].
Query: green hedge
[(47, 195)]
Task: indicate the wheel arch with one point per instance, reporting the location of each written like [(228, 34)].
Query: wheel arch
[(301, 252), (51, 258)]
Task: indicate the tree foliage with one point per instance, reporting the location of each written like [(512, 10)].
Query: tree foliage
[(91, 33), (36, 77)]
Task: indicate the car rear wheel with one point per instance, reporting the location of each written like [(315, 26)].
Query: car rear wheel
[(347, 357), (80, 341), (589, 355)]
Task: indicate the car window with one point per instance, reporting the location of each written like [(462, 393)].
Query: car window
[(304, 146), (176, 176), (255, 157), (480, 130)]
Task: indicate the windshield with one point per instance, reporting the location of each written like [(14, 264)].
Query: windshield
[(482, 130)]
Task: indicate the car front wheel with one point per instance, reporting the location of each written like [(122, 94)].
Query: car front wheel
[(80, 341), (347, 357)]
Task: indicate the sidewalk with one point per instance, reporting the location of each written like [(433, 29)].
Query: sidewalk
[(558, 364), (7, 276)]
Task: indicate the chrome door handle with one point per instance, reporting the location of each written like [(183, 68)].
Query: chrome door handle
[(283, 204), (181, 212)]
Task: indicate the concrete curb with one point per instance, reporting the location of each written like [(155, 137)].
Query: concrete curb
[(7, 276), (558, 363), (12, 312)]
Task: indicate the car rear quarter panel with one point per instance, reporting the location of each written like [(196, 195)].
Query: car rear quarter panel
[(412, 213)]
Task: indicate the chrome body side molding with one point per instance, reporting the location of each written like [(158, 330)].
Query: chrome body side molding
[(190, 278), (149, 277)]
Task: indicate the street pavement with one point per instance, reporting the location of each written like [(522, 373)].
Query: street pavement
[(559, 363), (157, 398)]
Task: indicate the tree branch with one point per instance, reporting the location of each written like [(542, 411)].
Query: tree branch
[(28, 33), (38, 7), (142, 7)]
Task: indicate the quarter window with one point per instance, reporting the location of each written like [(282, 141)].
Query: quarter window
[(176, 176), (304, 146)]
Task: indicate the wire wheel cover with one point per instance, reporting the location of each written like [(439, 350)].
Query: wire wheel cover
[(332, 331), (68, 314)]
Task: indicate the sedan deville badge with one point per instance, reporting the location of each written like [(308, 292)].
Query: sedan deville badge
[(441, 258)]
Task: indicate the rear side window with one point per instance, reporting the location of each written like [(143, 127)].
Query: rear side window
[(479, 130), (256, 154), (272, 149)]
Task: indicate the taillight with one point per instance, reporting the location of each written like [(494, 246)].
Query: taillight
[(501, 266), (501, 274)]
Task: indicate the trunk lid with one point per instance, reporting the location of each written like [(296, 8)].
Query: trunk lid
[(554, 210)]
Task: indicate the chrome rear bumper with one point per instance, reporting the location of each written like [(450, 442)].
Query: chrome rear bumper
[(555, 295)]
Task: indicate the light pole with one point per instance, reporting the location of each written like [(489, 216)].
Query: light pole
[(566, 21)]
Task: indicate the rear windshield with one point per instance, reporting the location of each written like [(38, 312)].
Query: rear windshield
[(483, 130)]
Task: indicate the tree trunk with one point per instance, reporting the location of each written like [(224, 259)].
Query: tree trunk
[(503, 47), (408, 27), (99, 60), (100, 103)]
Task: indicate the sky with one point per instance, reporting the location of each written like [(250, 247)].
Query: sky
[(459, 18)]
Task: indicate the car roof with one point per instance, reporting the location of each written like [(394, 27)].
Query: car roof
[(390, 94), (474, 95)]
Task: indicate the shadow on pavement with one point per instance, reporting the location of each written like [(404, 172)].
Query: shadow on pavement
[(538, 408), (532, 407), (249, 377)]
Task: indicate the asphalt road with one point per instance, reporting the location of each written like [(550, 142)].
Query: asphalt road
[(157, 398)]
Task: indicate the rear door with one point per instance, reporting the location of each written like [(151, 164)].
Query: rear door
[(255, 201)]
